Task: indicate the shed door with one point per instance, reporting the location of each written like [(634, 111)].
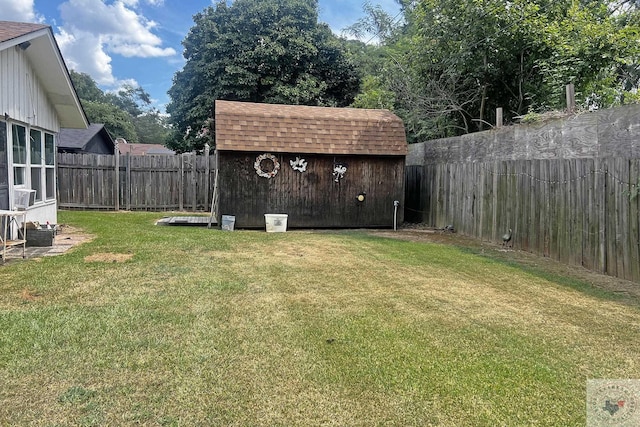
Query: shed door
[(4, 168)]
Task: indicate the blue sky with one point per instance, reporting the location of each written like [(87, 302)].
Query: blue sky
[(138, 41)]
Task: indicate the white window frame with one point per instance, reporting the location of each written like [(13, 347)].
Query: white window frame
[(36, 166), (15, 165), (46, 170), (49, 191)]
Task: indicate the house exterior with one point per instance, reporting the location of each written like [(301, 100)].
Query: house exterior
[(323, 167), (94, 139), (37, 98)]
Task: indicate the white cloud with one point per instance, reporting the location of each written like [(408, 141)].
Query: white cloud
[(84, 52), (93, 31), (19, 11)]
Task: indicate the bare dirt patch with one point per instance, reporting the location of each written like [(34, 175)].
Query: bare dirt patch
[(70, 235), (29, 295), (622, 287), (108, 257)]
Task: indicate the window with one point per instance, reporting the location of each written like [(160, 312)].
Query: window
[(36, 147), (51, 183), (50, 165), (49, 150), (19, 154), (35, 160)]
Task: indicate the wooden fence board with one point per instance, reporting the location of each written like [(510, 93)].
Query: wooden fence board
[(568, 187), (634, 218), (625, 208), (151, 182), (577, 211)]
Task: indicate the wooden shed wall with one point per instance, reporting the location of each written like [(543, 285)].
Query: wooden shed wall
[(312, 199)]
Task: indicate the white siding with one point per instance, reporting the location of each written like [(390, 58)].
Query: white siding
[(21, 94)]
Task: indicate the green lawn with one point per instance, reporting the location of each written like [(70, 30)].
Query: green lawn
[(148, 325)]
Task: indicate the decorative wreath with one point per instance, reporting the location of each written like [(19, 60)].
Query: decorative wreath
[(258, 168)]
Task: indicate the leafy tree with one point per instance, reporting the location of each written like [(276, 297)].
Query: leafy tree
[(86, 88), (126, 113), (374, 95), (377, 24), (152, 127), (117, 121), (271, 51), (133, 100), (452, 63)]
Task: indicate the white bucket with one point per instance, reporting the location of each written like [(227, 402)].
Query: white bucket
[(276, 223), (228, 222)]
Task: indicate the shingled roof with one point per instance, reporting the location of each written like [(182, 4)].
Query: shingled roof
[(11, 30), (246, 126), (77, 139)]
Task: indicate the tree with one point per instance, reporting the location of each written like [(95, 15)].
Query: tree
[(126, 113), (117, 121), (86, 88), (152, 127), (374, 95), (272, 51), (453, 63), (133, 100)]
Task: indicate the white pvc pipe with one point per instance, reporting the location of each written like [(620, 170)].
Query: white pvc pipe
[(395, 214)]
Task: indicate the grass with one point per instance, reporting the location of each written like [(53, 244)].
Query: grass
[(149, 325)]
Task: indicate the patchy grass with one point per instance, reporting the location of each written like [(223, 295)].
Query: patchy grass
[(187, 326)]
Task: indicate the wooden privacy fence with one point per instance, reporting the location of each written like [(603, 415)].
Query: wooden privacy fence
[(148, 182), (578, 211)]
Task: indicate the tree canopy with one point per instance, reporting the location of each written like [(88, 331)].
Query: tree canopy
[(126, 113), (450, 64), (272, 51)]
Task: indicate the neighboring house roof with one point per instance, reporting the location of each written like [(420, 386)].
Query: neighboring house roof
[(142, 149), (246, 126), (77, 139), (42, 50)]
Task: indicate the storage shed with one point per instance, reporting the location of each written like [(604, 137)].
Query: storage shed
[(323, 167)]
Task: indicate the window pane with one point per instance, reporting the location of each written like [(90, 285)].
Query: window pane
[(36, 182), (36, 147), (18, 175), (49, 149), (51, 183), (19, 144)]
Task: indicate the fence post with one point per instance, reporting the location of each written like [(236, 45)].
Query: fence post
[(127, 184), (117, 175), (601, 191), (207, 152), (194, 181), (181, 192), (499, 118), (571, 98)]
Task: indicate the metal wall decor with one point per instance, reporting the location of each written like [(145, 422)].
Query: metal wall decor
[(298, 164), (338, 172)]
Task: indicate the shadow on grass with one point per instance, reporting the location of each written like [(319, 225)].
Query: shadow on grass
[(577, 284), (598, 286)]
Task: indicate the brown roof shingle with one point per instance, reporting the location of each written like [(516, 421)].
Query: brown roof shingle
[(247, 126), (11, 30)]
